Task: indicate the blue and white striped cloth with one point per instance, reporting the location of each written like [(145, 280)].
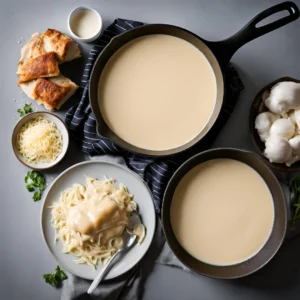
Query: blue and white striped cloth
[(156, 172)]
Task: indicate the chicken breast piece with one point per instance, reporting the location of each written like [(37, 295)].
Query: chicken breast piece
[(50, 41), (52, 92), (49, 93), (39, 60), (45, 65), (73, 52), (32, 49), (61, 44)]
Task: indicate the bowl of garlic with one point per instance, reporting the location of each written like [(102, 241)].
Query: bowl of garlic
[(275, 124)]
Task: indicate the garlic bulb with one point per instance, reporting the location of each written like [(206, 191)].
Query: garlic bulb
[(283, 97), (282, 127), (263, 123), (295, 144), (278, 149)]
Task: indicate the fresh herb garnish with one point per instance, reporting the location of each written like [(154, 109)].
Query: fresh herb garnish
[(26, 110), (37, 196), (35, 182), (296, 190), (55, 278)]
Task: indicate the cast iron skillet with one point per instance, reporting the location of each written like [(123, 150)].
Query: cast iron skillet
[(217, 53), (280, 220)]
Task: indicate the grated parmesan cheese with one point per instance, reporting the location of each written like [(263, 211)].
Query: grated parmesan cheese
[(39, 141)]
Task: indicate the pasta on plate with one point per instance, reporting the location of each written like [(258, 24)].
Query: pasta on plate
[(90, 220)]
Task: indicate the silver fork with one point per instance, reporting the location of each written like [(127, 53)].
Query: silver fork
[(129, 241)]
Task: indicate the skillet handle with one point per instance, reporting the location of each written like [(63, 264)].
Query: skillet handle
[(224, 49)]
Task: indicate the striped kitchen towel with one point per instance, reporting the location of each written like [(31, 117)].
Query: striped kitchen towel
[(155, 171)]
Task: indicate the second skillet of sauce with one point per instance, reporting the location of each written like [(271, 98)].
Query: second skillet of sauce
[(222, 212), (157, 92)]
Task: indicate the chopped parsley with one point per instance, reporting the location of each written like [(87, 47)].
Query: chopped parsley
[(35, 182), (55, 278), (26, 110)]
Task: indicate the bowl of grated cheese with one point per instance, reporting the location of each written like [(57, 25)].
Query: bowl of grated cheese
[(40, 140)]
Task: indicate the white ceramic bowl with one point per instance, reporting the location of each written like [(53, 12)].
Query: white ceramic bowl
[(60, 126), (73, 13)]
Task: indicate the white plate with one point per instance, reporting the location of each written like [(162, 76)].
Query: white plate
[(97, 169)]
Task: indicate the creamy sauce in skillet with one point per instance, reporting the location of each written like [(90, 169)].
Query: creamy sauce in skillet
[(222, 212), (157, 92)]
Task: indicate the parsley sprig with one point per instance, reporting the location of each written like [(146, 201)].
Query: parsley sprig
[(26, 110), (296, 190), (35, 182), (55, 278)]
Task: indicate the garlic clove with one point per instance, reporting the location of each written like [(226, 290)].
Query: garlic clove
[(295, 144), (292, 160), (283, 97), (263, 123), (291, 116), (297, 117), (278, 149), (282, 127)]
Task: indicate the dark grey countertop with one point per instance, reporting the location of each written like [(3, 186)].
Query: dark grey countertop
[(24, 257)]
